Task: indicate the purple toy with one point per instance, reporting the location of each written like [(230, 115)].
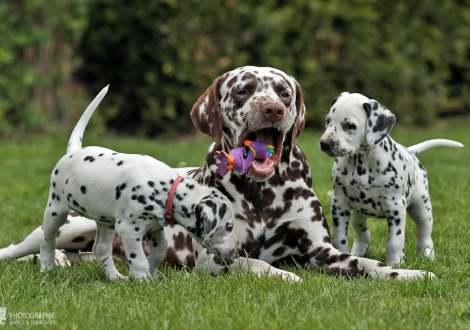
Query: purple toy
[(240, 159)]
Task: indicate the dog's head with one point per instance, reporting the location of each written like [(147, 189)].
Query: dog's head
[(354, 122), (254, 103), (211, 225)]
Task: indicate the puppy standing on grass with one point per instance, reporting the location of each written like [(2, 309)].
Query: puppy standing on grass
[(373, 176), (128, 194)]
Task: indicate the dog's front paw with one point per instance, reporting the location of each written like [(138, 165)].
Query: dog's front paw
[(116, 277), (291, 277), (61, 259), (406, 274)]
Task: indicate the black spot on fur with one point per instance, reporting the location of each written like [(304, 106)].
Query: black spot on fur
[(83, 189), (119, 189), (78, 239)]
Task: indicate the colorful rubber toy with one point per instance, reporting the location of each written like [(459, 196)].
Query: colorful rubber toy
[(240, 159)]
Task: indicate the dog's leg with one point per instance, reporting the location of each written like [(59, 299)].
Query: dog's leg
[(420, 212), (29, 245), (103, 249), (340, 217), (396, 219), (52, 222), (361, 234), (157, 244), (131, 238), (209, 262), (322, 255)]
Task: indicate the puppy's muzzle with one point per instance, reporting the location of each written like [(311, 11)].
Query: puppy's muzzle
[(231, 254)]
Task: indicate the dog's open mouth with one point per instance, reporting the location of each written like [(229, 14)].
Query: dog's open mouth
[(262, 168)]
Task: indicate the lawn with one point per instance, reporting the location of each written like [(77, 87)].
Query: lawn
[(81, 298)]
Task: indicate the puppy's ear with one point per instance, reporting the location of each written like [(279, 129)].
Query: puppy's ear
[(301, 118), (206, 114), (380, 121), (206, 218)]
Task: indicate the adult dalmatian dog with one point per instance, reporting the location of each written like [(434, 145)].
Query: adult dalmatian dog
[(373, 176), (132, 196), (277, 214)]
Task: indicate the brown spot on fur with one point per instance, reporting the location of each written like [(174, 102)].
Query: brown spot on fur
[(221, 262), (182, 242)]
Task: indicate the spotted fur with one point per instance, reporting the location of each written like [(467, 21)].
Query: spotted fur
[(127, 195), (373, 176), (277, 214)]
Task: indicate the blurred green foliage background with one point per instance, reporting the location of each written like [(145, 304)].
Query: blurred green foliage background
[(159, 56)]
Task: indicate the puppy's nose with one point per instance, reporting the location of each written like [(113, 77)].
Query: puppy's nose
[(273, 112), (230, 254), (325, 145)]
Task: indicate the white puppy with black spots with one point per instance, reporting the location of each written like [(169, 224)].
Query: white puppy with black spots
[(128, 194), (373, 176)]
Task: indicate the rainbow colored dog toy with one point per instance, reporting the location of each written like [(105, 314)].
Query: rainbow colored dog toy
[(240, 159)]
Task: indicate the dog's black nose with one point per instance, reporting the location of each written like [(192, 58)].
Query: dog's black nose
[(325, 145), (230, 254)]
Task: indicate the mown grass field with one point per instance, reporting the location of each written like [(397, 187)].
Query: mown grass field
[(81, 298)]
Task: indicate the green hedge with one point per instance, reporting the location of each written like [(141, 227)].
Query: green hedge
[(38, 40), (159, 56)]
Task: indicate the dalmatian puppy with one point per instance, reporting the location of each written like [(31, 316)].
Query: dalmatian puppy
[(373, 176), (133, 196)]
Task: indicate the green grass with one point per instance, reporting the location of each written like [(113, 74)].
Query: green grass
[(82, 298)]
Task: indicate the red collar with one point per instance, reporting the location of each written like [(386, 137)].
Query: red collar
[(169, 203)]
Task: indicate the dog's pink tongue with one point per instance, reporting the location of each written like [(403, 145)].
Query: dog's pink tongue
[(262, 165)]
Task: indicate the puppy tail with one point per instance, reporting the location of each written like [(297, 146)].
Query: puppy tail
[(75, 141), (420, 147)]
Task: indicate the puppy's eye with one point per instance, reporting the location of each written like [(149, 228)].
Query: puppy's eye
[(285, 95), (241, 92), (229, 226), (349, 126)]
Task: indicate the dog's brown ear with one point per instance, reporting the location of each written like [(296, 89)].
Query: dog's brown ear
[(380, 121), (206, 114), (301, 118)]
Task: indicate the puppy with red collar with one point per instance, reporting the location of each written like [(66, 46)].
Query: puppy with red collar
[(133, 196)]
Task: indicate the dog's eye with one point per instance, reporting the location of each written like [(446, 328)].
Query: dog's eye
[(241, 92), (229, 226), (349, 126), (285, 95)]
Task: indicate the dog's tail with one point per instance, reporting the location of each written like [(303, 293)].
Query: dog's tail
[(75, 141), (420, 147)]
